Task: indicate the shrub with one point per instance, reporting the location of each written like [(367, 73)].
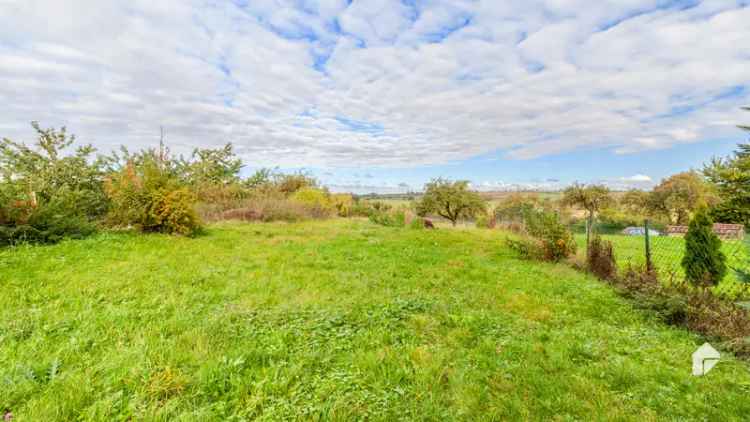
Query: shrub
[(151, 199), (46, 223), (389, 218), (317, 200), (291, 183), (704, 263), (48, 192), (343, 203), (268, 209), (600, 259), (173, 211), (526, 247), (711, 316), (557, 241), (485, 221)]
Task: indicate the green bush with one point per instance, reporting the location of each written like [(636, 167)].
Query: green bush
[(704, 262), (485, 221), (389, 218), (556, 240), (526, 247), (48, 192)]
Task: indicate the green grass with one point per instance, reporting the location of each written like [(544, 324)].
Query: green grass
[(334, 320), (667, 255)]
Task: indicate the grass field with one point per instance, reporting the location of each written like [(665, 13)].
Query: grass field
[(335, 320), (667, 255)]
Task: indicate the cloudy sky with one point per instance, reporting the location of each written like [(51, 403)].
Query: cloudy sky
[(389, 93)]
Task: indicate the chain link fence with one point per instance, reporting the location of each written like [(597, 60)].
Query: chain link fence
[(661, 248)]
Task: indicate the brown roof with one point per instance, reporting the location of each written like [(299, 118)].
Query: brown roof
[(721, 230)]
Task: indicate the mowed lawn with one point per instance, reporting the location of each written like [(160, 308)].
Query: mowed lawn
[(338, 320)]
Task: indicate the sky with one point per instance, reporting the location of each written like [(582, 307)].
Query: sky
[(383, 95)]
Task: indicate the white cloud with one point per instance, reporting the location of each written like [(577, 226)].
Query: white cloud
[(637, 178), (444, 81)]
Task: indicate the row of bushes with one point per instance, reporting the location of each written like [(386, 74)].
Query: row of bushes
[(51, 190)]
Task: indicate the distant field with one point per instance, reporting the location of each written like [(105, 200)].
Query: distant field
[(667, 253), (493, 198), (338, 320)]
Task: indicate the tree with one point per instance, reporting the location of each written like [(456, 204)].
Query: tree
[(635, 201), (209, 166), (591, 198), (52, 170), (262, 178), (731, 176), (512, 207), (450, 200), (50, 190), (679, 196), (704, 262)]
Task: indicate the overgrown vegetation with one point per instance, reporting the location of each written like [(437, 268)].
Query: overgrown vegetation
[(544, 237), (47, 191)]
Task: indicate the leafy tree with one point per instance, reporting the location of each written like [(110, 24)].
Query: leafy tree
[(450, 200), (679, 196), (513, 206), (591, 198), (635, 201), (262, 178), (208, 166), (47, 191), (732, 179), (704, 262)]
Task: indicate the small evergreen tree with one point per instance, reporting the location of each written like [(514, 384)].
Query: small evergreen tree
[(704, 262)]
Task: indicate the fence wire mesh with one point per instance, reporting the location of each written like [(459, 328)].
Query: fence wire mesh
[(664, 250)]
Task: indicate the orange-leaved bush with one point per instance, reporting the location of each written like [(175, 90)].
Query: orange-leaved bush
[(148, 197)]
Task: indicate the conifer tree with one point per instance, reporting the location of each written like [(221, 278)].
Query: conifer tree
[(704, 262)]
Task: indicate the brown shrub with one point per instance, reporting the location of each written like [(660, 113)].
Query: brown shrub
[(714, 317), (600, 259), (274, 209)]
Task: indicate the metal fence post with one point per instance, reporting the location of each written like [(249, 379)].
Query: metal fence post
[(649, 265)]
